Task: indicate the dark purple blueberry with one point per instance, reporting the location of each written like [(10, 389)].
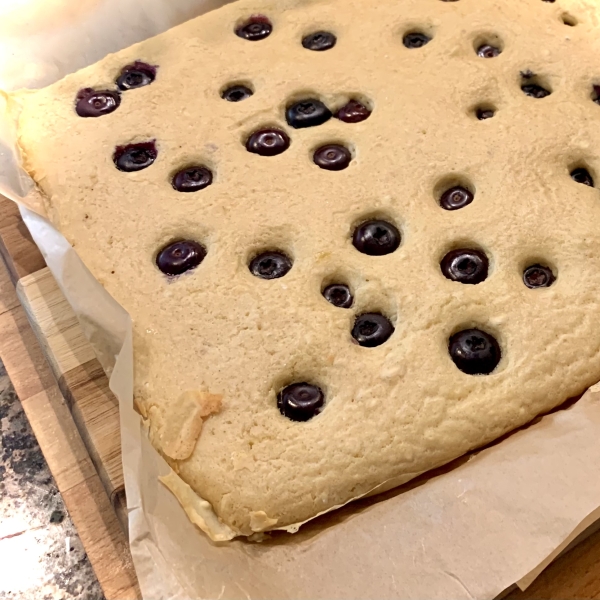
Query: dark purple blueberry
[(582, 175), (255, 28), (96, 103), (456, 197), (535, 91), (538, 276), (484, 113), (300, 401), (596, 94), (465, 266), (474, 352), (332, 157), (179, 257), (376, 238), (236, 93), (353, 112), (136, 75), (319, 41), (488, 51), (415, 39), (192, 179), (372, 329), (135, 157), (270, 265), (307, 113), (339, 295), (268, 142)]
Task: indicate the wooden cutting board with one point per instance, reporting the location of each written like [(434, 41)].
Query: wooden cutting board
[(80, 378), (68, 458), (576, 575)]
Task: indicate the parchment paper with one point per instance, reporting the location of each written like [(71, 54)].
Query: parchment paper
[(470, 530)]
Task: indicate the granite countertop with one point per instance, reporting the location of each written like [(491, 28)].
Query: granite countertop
[(41, 555)]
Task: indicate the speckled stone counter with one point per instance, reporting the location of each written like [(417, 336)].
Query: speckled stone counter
[(41, 555)]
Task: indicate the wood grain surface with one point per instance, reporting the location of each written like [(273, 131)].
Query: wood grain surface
[(67, 456), (76, 422), (80, 377)]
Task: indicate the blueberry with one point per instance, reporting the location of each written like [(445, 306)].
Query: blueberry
[(93, 103), (538, 276), (179, 257), (535, 91), (415, 39), (376, 238), (353, 112), (474, 352), (465, 266), (268, 142), (456, 197), (372, 329), (300, 401), (135, 157), (192, 179), (484, 113), (319, 41), (270, 265), (339, 295), (582, 175), (596, 94), (255, 28), (307, 113), (236, 93), (332, 157), (136, 75), (488, 51)]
